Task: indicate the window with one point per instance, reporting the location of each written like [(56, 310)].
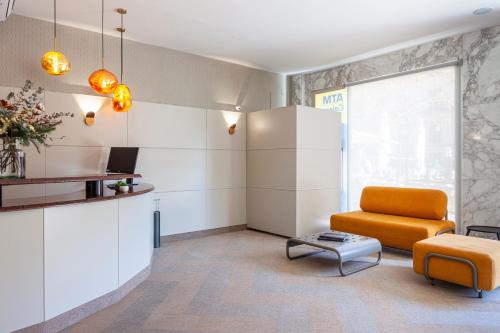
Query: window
[(402, 132), (336, 101)]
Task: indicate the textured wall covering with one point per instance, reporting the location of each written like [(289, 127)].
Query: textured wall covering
[(154, 74), (302, 86), (480, 82), (481, 124)]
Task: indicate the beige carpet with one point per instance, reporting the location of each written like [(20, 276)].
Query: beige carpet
[(242, 282)]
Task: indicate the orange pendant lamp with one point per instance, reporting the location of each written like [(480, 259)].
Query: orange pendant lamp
[(103, 81), (53, 62), (122, 99)]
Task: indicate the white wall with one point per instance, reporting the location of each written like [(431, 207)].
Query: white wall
[(198, 169)]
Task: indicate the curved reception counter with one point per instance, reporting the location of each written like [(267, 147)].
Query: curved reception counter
[(65, 257)]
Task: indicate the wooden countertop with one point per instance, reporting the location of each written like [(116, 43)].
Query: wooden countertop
[(69, 179), (70, 198)]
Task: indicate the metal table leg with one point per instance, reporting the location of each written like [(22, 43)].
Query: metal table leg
[(429, 255), (291, 243), (368, 265)]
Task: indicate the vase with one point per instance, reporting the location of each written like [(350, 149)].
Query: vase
[(12, 159)]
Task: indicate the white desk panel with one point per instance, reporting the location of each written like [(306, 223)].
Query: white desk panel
[(81, 254), (21, 267)]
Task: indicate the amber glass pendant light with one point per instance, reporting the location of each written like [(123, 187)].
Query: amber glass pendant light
[(53, 62), (103, 81), (122, 99)]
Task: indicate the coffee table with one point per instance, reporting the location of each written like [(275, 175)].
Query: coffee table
[(354, 247), (484, 228)]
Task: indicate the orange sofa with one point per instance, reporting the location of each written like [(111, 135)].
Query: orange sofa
[(397, 217)]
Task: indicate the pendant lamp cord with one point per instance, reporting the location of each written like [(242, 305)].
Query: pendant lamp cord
[(102, 33), (121, 50), (55, 30)]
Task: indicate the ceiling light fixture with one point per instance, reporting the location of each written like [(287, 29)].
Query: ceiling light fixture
[(103, 81), (122, 99), (53, 62), (482, 11)]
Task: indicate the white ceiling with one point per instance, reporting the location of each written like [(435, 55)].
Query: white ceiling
[(278, 35)]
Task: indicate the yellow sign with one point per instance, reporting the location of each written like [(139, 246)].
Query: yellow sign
[(335, 100)]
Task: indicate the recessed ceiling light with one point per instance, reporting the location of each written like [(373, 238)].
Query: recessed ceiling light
[(482, 11)]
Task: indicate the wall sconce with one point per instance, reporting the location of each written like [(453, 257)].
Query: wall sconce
[(231, 119), (89, 118), (90, 106)]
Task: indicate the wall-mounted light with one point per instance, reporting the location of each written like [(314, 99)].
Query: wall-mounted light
[(90, 106), (231, 119), (89, 118)]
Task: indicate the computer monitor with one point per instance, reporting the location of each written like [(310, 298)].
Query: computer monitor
[(122, 160)]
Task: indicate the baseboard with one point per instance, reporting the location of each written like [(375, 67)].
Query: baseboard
[(75, 315), (269, 233), (203, 233)]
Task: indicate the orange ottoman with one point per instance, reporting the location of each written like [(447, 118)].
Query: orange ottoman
[(467, 261)]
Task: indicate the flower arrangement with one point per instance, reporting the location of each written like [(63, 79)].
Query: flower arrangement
[(23, 120)]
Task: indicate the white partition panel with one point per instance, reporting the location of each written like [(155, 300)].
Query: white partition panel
[(293, 165), (182, 212), (317, 129), (71, 161), (166, 126), (218, 123), (314, 208), (272, 168), (318, 169), (226, 169), (181, 149), (135, 229), (21, 262), (272, 129), (173, 169), (272, 210), (79, 237), (226, 207), (110, 128)]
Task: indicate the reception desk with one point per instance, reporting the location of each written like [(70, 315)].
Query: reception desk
[(65, 257)]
